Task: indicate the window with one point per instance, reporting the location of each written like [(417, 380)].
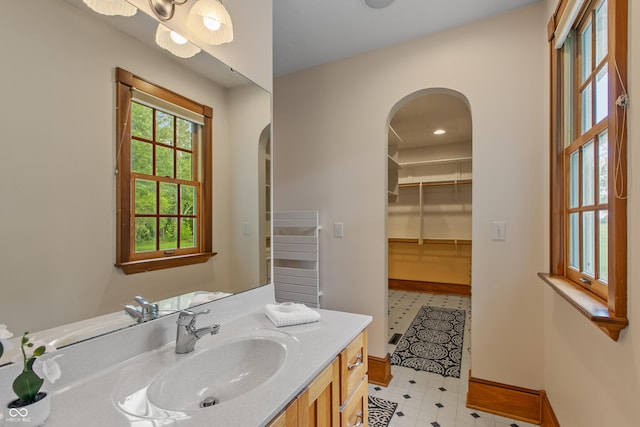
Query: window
[(588, 159), (164, 177)]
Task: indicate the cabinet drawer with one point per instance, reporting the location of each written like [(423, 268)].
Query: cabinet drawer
[(355, 412), (353, 366)]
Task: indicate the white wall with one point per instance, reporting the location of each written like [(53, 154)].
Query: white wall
[(591, 380), (57, 184), (330, 145)]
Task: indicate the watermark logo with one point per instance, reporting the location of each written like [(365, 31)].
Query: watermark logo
[(18, 415)]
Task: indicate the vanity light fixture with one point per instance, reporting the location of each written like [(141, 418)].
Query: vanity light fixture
[(377, 4), (210, 21), (439, 132), (175, 43), (164, 9), (111, 7)]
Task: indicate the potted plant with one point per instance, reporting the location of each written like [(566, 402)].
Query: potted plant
[(32, 406)]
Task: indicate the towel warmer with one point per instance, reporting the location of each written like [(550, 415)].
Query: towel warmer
[(295, 256)]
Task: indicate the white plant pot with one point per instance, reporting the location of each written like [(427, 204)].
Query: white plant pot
[(32, 415)]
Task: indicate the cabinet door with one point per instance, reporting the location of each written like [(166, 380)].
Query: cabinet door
[(319, 405), (355, 413), (288, 417), (353, 366)]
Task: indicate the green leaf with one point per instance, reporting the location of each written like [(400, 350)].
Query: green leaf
[(27, 385)]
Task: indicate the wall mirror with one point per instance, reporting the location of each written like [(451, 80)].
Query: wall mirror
[(57, 217)]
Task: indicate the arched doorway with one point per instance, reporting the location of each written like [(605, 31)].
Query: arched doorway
[(429, 208)]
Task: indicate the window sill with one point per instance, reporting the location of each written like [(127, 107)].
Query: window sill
[(590, 306), (132, 267)]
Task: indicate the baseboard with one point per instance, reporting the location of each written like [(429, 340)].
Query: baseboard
[(430, 287), (380, 370), (504, 400), (546, 411), (532, 406)]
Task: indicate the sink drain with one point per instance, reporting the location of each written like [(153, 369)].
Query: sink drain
[(209, 401)]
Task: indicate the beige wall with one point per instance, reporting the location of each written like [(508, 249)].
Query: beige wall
[(57, 184), (244, 140), (591, 380), (330, 155)]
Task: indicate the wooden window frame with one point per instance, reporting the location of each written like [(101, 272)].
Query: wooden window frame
[(609, 314), (125, 82)]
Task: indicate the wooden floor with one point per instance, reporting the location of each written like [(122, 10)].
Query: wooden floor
[(430, 287)]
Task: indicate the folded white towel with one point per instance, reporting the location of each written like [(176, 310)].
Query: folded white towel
[(202, 297), (287, 314)]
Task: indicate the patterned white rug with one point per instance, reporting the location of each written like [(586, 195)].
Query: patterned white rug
[(433, 342)]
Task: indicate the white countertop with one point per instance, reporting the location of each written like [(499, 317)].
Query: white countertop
[(91, 398)]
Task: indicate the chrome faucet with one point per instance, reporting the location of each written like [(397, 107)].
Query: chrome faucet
[(147, 311), (187, 334)]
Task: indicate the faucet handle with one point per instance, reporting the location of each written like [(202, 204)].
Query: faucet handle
[(187, 317)]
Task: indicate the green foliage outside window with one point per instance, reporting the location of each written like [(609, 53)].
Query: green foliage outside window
[(153, 197)]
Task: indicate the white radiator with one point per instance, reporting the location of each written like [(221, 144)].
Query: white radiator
[(295, 256)]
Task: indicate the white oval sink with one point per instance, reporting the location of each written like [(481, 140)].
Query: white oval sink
[(222, 373)]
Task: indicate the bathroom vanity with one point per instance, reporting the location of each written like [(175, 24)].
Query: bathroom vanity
[(337, 396), (249, 374)]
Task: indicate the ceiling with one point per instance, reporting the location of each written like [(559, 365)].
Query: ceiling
[(307, 33), (416, 120)]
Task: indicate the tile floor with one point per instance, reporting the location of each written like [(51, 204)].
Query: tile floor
[(427, 399)]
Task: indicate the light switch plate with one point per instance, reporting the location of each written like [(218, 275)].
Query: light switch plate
[(498, 231), (338, 229)]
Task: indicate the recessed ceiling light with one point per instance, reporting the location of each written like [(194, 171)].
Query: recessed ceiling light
[(439, 132), (377, 4)]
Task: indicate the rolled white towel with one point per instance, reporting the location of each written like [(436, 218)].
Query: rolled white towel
[(288, 314)]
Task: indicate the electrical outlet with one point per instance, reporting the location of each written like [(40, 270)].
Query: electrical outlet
[(338, 229)]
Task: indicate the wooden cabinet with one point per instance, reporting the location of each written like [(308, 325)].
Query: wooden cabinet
[(319, 404), (338, 396), (355, 413), (288, 417), (354, 394)]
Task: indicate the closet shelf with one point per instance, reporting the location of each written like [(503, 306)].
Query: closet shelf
[(430, 241), (393, 164), (434, 183), (435, 162)]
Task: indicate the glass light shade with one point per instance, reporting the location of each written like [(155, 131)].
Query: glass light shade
[(210, 10), (165, 41), (377, 4), (111, 7)]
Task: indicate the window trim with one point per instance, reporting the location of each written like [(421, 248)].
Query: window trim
[(125, 81), (610, 315)]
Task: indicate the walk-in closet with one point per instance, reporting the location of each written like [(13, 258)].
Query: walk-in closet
[(429, 195)]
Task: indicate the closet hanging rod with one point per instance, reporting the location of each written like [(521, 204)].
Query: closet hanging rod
[(435, 162), (434, 183)]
